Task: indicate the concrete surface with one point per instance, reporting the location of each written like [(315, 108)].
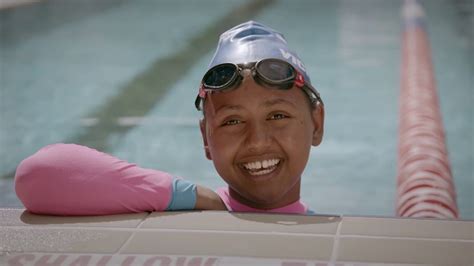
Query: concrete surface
[(223, 238)]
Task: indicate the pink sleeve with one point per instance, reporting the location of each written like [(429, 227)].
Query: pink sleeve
[(69, 179)]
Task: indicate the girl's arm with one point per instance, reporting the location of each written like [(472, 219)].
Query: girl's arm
[(207, 199), (69, 179)]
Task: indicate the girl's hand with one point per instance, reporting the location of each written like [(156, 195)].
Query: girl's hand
[(206, 199)]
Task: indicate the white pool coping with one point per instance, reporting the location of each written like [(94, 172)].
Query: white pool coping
[(223, 238)]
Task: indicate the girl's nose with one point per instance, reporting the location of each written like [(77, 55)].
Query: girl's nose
[(258, 137)]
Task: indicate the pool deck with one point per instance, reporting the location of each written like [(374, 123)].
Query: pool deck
[(223, 238)]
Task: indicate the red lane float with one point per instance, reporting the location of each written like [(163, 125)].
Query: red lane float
[(425, 185)]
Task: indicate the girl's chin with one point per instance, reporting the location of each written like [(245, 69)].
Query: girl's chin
[(263, 200)]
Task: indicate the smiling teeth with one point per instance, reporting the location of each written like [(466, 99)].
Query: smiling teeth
[(258, 165)]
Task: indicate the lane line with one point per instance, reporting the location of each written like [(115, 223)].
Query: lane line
[(137, 98), (4, 4), (141, 94), (19, 23)]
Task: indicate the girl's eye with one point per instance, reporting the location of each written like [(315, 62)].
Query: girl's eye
[(277, 116), (231, 122)]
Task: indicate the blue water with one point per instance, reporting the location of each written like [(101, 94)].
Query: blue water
[(57, 74)]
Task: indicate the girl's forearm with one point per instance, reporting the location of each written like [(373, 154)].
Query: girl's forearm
[(69, 179)]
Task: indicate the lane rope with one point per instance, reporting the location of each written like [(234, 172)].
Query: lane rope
[(425, 186)]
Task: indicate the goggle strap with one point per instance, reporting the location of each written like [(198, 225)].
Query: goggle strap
[(202, 91), (299, 80)]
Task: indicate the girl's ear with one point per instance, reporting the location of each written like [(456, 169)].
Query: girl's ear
[(317, 114), (202, 125)]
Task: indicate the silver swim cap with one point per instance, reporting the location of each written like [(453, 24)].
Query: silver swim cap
[(251, 42)]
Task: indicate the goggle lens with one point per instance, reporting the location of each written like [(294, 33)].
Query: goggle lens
[(220, 76), (275, 71)]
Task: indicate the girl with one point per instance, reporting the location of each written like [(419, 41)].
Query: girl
[(261, 116)]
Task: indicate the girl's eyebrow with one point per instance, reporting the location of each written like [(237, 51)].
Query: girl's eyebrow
[(229, 107), (270, 103), (267, 103)]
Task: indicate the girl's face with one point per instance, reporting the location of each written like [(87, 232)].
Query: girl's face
[(259, 141)]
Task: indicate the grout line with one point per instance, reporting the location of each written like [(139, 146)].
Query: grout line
[(410, 238), (142, 221), (335, 247), (119, 251), (132, 235), (135, 230)]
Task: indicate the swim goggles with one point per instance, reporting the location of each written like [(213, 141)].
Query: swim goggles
[(271, 72)]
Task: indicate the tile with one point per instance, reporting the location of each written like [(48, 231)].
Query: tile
[(20, 217), (387, 250), (408, 227), (257, 245), (250, 222), (26, 239), (44, 259)]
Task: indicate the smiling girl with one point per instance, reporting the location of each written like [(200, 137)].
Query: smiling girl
[(261, 117)]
